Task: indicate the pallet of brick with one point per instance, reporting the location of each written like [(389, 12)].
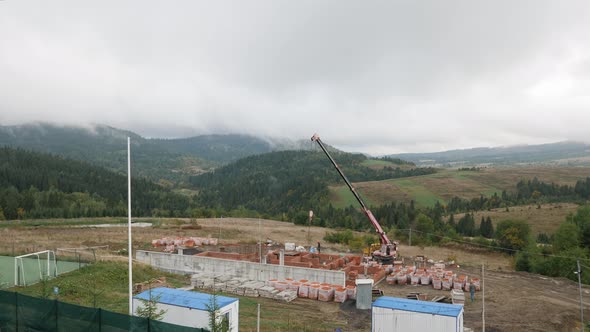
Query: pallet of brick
[(391, 279), (425, 279), (447, 283), (340, 295), (351, 291), (286, 295), (281, 285), (459, 282), (326, 294), (437, 283), (294, 285), (401, 278), (303, 290), (314, 291), (415, 279)]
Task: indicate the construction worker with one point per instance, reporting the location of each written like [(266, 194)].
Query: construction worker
[(472, 291)]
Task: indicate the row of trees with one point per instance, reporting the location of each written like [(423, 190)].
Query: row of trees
[(569, 243), (526, 192)]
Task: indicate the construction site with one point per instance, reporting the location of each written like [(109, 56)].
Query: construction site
[(286, 264)]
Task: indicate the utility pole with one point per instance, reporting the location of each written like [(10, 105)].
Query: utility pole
[(483, 300), (259, 241), (579, 273), (130, 249), (309, 228), (410, 237)]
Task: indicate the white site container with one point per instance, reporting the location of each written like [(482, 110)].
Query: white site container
[(397, 314), (188, 308)]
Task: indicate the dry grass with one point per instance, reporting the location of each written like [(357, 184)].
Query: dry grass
[(544, 220), (20, 239), (444, 185)]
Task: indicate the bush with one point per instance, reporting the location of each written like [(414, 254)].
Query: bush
[(343, 237)]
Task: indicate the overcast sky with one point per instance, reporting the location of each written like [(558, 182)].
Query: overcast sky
[(370, 76)]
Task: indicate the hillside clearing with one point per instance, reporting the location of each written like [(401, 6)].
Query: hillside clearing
[(442, 186)]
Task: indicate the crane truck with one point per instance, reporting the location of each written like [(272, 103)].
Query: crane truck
[(387, 251)]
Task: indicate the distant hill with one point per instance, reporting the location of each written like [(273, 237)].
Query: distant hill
[(563, 154), (289, 180), (38, 185), (158, 159)]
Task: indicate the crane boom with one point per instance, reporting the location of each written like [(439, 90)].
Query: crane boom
[(382, 236)]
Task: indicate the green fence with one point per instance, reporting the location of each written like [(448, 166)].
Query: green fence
[(25, 313)]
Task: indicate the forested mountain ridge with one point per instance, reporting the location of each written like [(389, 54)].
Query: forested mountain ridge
[(36, 185), (287, 181), (169, 159), (561, 153)]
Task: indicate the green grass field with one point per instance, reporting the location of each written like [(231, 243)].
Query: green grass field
[(104, 284), (342, 198)]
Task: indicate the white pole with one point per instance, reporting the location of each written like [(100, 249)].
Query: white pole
[(483, 300), (580, 287), (130, 253), (258, 321)]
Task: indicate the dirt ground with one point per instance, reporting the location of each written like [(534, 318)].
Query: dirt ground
[(514, 301)]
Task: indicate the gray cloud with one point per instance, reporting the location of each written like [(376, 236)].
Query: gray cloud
[(378, 77)]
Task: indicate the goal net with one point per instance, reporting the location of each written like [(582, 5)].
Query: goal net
[(32, 268)]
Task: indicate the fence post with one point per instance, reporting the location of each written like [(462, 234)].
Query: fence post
[(16, 308), (56, 315)]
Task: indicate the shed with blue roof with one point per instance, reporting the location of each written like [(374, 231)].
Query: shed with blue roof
[(397, 314), (189, 308)]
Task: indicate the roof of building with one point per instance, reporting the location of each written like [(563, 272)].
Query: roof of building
[(183, 298), (435, 308)]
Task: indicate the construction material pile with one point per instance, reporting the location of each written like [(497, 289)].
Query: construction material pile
[(283, 290), (241, 286), (315, 290), (436, 276), (172, 243)]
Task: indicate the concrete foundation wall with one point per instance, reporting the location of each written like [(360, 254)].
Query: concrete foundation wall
[(254, 271)]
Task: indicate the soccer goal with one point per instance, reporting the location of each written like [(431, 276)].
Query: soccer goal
[(32, 268)]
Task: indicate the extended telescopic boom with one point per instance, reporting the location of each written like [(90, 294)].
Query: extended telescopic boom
[(382, 236)]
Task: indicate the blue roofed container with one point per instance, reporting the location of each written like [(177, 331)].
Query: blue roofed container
[(397, 314), (189, 308)]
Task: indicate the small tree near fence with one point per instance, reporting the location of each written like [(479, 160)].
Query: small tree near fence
[(149, 308), (216, 324)]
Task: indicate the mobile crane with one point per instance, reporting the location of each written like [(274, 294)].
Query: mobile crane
[(387, 252)]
